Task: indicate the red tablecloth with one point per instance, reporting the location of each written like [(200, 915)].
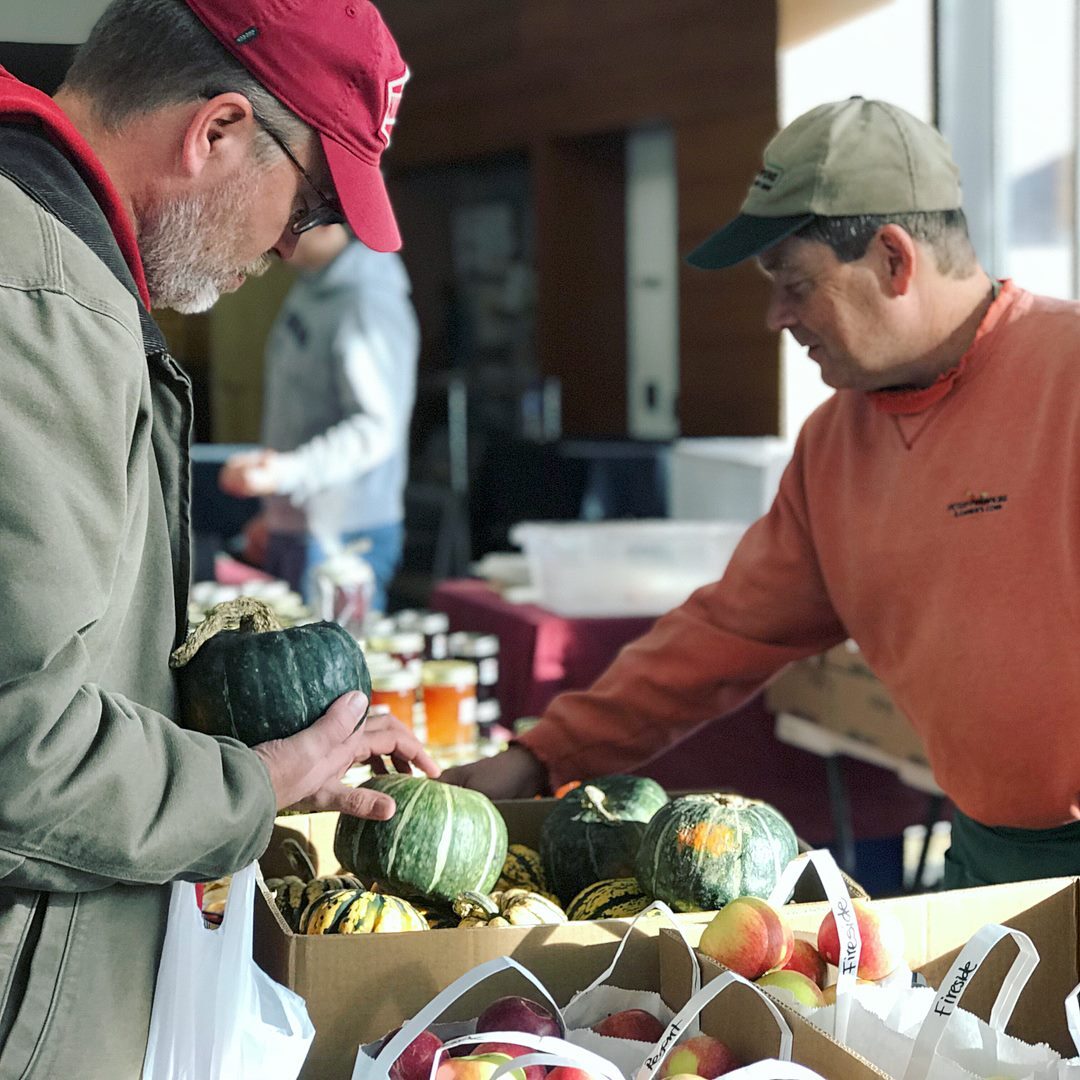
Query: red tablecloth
[(542, 654)]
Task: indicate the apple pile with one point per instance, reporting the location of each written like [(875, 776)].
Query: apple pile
[(752, 938), (509, 1013)]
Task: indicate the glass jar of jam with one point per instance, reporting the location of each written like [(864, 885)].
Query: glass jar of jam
[(406, 646), (483, 651), (449, 688), (434, 625), (396, 689)]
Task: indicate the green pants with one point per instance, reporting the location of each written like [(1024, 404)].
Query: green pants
[(990, 855)]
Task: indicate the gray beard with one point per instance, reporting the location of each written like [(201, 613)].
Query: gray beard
[(188, 244)]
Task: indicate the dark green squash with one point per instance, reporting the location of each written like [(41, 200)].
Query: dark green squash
[(700, 851), (240, 674), (593, 832), (442, 841)]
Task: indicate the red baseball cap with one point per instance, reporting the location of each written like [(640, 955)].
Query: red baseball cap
[(334, 64)]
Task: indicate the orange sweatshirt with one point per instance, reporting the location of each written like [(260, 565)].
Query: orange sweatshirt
[(945, 541)]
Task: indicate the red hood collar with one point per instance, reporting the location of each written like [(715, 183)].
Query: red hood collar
[(20, 103), (909, 402)]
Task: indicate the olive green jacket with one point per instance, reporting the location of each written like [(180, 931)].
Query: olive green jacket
[(103, 798)]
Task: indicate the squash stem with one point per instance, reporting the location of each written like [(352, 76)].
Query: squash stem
[(597, 799), (245, 613)]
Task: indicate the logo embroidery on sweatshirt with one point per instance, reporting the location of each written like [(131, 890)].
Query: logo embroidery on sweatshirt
[(981, 503)]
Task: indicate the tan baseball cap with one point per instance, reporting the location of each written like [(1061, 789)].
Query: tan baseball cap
[(843, 159)]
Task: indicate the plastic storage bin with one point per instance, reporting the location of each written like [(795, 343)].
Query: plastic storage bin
[(612, 568), (729, 479)]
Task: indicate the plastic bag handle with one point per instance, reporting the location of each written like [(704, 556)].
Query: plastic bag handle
[(956, 981), (656, 907), (1072, 1014), (688, 1013), (237, 932), (846, 924), (367, 1068)]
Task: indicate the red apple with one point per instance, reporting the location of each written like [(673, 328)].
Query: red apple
[(475, 1067), (636, 1024), (801, 987), (532, 1072), (518, 1014), (702, 1056), (806, 959), (566, 1072), (414, 1062), (749, 936), (882, 940)]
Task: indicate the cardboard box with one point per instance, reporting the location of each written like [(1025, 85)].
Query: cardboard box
[(839, 691), (936, 927), (359, 988)]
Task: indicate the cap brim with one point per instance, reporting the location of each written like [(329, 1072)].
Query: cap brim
[(362, 194), (742, 238)]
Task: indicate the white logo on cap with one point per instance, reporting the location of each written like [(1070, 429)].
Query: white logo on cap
[(394, 90)]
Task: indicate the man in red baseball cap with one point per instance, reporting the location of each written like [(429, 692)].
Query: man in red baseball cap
[(189, 145)]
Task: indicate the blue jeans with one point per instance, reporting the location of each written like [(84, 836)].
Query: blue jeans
[(293, 556)]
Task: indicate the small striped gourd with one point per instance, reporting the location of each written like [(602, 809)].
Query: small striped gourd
[(442, 841), (294, 898), (359, 911), (593, 832), (615, 898), (507, 907), (700, 851), (522, 869)]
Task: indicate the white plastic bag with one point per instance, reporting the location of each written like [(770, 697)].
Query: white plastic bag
[(600, 998), (373, 1060), (217, 1015)]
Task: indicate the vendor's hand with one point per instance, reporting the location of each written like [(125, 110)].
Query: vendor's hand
[(516, 773), (306, 769), (250, 473)]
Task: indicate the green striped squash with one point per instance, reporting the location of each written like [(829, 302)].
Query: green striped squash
[(444, 840), (592, 833), (700, 851), (358, 911), (616, 898)]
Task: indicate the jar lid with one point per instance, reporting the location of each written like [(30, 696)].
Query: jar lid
[(472, 644), (404, 641), (394, 680), (448, 673), (380, 662)]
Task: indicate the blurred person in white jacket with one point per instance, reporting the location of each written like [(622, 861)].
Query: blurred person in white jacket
[(339, 387)]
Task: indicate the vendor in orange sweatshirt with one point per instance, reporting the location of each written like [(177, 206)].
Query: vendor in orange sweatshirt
[(931, 510)]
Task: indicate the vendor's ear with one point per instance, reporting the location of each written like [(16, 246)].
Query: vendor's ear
[(897, 257), (219, 137)]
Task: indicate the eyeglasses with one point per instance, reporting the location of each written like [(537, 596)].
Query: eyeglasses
[(328, 212)]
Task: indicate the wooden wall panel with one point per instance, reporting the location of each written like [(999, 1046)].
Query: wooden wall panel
[(564, 80)]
